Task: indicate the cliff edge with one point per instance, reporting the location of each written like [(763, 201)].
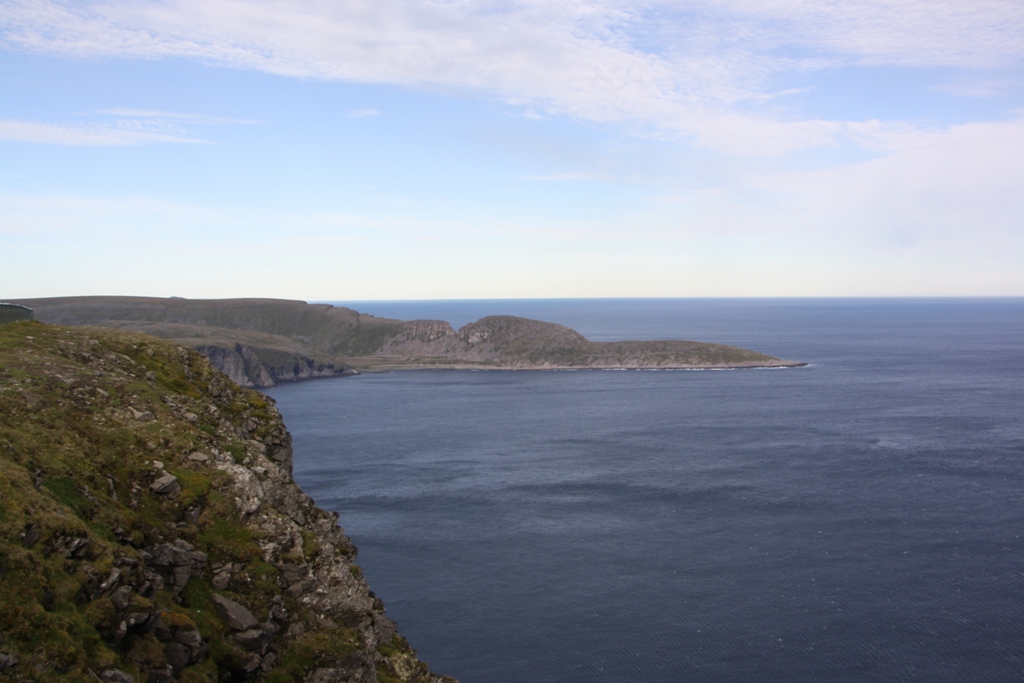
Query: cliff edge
[(150, 529)]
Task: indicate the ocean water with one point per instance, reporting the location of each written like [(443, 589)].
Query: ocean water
[(860, 519)]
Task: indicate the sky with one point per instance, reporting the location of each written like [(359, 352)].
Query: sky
[(452, 149)]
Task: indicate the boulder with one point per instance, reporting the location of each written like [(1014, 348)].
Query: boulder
[(166, 485), (116, 676), (253, 640), (236, 616)]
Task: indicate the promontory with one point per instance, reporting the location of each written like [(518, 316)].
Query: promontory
[(260, 342)]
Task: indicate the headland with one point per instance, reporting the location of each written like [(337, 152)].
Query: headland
[(260, 342)]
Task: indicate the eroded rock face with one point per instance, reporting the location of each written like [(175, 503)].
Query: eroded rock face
[(240, 364), (245, 367), (220, 567)]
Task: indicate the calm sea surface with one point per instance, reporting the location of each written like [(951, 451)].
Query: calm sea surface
[(860, 519)]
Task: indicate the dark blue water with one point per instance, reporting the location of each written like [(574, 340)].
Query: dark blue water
[(859, 519)]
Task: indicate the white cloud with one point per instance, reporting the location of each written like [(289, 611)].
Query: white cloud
[(960, 189), (88, 134), (923, 33), (680, 68), (128, 127), (202, 119), (567, 176), (977, 88)]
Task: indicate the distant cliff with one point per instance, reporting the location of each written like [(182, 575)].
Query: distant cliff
[(259, 342), (150, 529)]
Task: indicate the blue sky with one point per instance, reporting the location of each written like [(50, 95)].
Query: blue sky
[(452, 149)]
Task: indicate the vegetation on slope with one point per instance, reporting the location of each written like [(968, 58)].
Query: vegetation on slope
[(150, 529)]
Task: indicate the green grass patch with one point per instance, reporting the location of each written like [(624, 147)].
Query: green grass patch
[(194, 485), (313, 650), (224, 538), (68, 493)]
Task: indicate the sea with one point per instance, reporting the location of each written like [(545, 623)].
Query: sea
[(858, 519)]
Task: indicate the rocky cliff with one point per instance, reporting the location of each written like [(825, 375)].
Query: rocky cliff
[(266, 367), (150, 529)]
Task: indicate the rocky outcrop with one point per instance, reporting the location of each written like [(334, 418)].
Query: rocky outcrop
[(240, 363), (260, 368), (150, 529)]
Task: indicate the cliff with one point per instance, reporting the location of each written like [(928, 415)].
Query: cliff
[(150, 529), (259, 342)]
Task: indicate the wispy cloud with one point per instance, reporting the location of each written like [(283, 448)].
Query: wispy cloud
[(697, 68), (117, 126), (977, 88), (87, 135), (568, 176), (364, 113), (203, 119)]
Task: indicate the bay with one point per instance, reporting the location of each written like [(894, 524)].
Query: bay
[(857, 519)]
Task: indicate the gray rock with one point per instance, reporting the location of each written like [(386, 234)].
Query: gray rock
[(253, 640), (180, 563), (193, 513), (7, 661), (70, 547), (199, 457), (177, 655), (161, 676), (292, 573), (221, 581), (110, 582), (296, 590), (133, 619), (253, 665), (30, 535), (142, 415), (166, 485), (188, 637), (237, 617), (161, 631), (119, 633), (166, 555), (116, 676), (121, 597)]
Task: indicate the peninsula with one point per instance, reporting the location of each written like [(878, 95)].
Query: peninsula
[(260, 342)]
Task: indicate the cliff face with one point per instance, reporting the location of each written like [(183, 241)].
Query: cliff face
[(150, 529), (257, 368)]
